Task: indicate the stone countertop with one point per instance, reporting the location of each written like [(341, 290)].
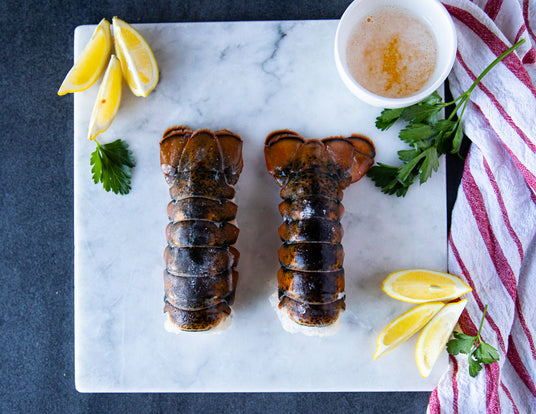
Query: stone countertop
[(37, 187)]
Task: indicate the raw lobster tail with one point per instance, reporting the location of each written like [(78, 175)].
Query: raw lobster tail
[(201, 168), (312, 175)]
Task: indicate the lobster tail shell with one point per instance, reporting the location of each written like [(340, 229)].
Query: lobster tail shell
[(200, 279), (312, 175)]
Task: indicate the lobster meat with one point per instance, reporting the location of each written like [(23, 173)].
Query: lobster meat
[(200, 279), (312, 175)]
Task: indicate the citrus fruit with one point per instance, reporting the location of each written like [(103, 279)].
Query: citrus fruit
[(403, 327), (422, 285), (137, 59), (91, 62), (435, 335), (108, 99)]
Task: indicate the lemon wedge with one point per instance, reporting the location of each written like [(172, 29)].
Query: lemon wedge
[(403, 327), (91, 62), (435, 335), (108, 99), (422, 285), (137, 59)]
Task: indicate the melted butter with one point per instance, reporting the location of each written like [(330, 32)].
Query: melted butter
[(392, 53)]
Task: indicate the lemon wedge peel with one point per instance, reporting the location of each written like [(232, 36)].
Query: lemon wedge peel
[(405, 326), (423, 285), (138, 63), (108, 99), (434, 336), (91, 62)]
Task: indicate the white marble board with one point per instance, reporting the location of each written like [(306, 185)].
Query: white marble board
[(251, 78)]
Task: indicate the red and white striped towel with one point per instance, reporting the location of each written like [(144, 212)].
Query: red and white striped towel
[(492, 241)]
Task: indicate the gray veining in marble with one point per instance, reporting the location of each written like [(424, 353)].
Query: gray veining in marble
[(251, 78)]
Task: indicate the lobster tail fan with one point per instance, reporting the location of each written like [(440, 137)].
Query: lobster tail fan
[(231, 151), (279, 151), (311, 155), (364, 156), (340, 152), (171, 147), (202, 153)]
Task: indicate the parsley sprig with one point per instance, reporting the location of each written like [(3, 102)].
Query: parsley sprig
[(111, 165), (478, 351), (428, 136)]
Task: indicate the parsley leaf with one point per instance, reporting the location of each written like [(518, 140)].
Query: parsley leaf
[(433, 99), (388, 117), (486, 353), (417, 132), (445, 125), (111, 165), (477, 350), (411, 167), (445, 130), (425, 111), (461, 344), (430, 163), (386, 177), (408, 155), (474, 366), (428, 136), (457, 140)]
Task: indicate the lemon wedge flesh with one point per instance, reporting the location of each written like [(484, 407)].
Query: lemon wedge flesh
[(403, 327), (435, 335), (91, 62), (108, 99), (137, 59), (422, 285)]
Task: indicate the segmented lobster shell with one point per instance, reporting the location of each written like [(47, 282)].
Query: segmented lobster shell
[(312, 175), (200, 279)]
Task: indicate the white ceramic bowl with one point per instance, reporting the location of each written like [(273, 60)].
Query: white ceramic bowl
[(439, 22)]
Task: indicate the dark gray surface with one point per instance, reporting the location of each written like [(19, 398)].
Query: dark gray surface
[(36, 220)]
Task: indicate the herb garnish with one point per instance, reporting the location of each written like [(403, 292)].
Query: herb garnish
[(112, 164), (428, 136), (478, 351)]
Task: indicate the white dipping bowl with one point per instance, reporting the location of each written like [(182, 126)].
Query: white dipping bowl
[(432, 12)]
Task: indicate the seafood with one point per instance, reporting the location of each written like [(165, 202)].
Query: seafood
[(200, 279), (312, 175)]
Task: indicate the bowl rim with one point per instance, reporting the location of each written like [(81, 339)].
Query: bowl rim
[(386, 102)]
